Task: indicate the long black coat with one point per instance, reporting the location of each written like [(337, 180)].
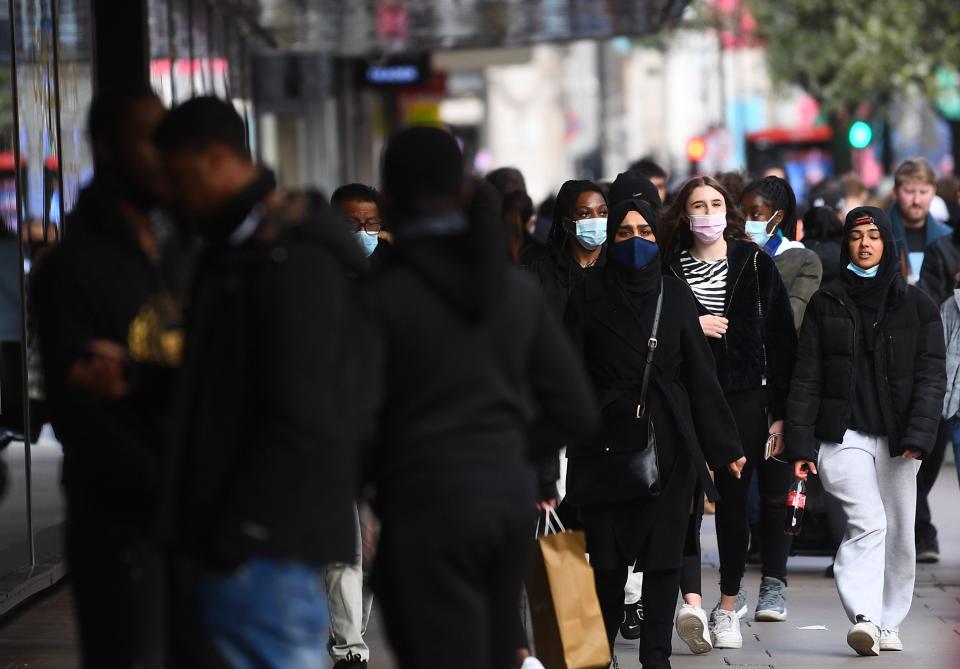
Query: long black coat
[(694, 425), (910, 370), (761, 340)]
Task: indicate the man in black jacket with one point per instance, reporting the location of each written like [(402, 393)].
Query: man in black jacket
[(453, 395), (108, 309), (261, 494)]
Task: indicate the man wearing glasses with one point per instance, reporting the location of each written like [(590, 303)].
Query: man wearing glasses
[(360, 205), (349, 598)]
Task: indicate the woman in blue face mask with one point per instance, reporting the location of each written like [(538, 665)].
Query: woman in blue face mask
[(865, 402), (771, 210), (575, 245), (611, 317)]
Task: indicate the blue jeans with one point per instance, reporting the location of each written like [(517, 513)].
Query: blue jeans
[(267, 615), (955, 435)]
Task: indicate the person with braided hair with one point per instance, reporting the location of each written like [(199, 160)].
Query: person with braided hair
[(770, 207)]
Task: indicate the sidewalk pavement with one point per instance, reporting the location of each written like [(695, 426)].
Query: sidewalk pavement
[(931, 633)]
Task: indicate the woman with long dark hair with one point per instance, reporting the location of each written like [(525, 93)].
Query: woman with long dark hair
[(745, 315), (770, 207), (575, 244), (638, 329)]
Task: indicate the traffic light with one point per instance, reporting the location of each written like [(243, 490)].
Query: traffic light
[(861, 134), (696, 148)]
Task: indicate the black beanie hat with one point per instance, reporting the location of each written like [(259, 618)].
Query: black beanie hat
[(630, 185)]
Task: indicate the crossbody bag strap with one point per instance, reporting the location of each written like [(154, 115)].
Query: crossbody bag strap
[(652, 344)]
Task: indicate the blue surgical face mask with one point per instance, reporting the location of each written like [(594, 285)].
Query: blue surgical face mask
[(591, 232), (864, 273), (367, 242), (633, 254), (757, 230)]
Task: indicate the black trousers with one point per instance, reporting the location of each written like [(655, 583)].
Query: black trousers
[(733, 529), (117, 581), (448, 580), (691, 582), (926, 477), (659, 605)]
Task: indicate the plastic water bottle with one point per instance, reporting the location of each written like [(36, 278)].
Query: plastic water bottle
[(796, 502)]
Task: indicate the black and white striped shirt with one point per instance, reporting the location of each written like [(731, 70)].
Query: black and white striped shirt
[(707, 280)]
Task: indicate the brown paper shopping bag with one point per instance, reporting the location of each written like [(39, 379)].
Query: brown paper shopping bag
[(567, 625)]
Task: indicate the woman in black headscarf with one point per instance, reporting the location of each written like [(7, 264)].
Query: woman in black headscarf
[(864, 407), (611, 317)]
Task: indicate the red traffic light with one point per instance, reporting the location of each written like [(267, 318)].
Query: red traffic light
[(696, 148)]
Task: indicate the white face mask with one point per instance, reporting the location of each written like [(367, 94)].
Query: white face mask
[(591, 232), (708, 228), (757, 230)]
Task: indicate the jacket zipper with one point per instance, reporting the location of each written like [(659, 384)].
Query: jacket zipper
[(763, 343), (853, 347)]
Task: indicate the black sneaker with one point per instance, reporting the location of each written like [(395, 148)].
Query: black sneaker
[(928, 549), (632, 626)]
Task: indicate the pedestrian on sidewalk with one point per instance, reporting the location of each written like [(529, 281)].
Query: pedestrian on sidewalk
[(745, 315), (469, 377), (108, 302), (770, 207), (360, 205), (575, 247), (261, 493), (347, 588), (950, 313), (864, 408), (612, 317)]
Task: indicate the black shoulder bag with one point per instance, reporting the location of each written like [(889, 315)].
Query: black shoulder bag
[(622, 472)]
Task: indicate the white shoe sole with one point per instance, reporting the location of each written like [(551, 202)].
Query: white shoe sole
[(891, 646), (735, 643), (864, 643), (690, 630), (770, 616)]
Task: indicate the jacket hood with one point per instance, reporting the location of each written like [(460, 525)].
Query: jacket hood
[(468, 268), (889, 262)]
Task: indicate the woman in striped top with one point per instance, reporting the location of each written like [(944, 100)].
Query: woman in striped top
[(745, 315)]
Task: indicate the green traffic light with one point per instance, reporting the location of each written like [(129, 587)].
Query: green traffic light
[(861, 135)]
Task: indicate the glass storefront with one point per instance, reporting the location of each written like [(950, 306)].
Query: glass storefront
[(46, 85)]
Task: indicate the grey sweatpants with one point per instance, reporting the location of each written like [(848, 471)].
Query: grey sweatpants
[(876, 564), (349, 600)]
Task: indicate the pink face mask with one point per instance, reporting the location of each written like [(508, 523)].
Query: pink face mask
[(708, 228)]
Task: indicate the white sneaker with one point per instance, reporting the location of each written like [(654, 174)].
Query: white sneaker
[(890, 640), (725, 628), (864, 637), (692, 628), (532, 663)]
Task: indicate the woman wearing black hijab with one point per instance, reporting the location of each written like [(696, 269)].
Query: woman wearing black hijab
[(611, 317), (863, 409)]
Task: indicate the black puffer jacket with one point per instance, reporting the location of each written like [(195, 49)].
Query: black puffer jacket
[(910, 368), (761, 340)]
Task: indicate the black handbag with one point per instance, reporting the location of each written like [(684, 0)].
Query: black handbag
[(623, 472)]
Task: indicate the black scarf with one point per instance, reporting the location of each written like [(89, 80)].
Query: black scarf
[(217, 228), (636, 285), (870, 294)]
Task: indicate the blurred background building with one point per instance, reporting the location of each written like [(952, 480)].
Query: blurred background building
[(557, 88)]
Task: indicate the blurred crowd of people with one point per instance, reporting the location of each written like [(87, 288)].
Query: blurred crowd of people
[(274, 407)]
